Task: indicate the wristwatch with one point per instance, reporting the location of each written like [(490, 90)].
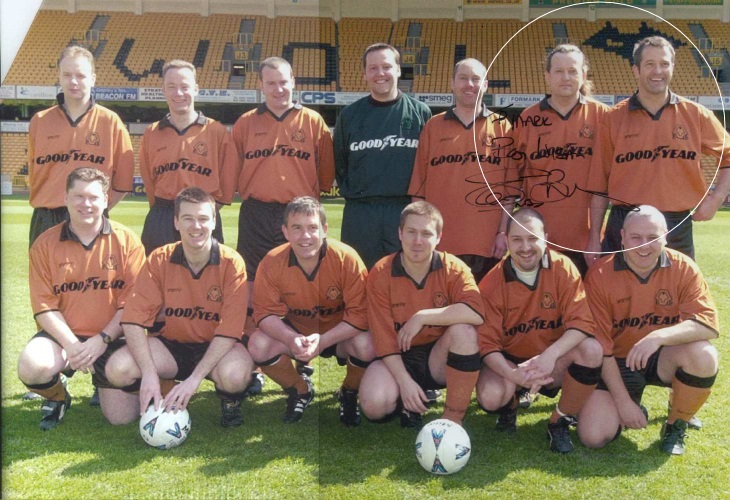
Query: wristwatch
[(106, 338)]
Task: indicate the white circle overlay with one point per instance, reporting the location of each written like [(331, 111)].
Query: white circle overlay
[(480, 101)]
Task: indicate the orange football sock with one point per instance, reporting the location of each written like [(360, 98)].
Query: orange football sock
[(579, 382), (459, 386), (354, 375), (282, 372), (689, 394), (54, 390)]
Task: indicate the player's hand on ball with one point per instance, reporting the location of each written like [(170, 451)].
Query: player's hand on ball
[(149, 391), (179, 397)]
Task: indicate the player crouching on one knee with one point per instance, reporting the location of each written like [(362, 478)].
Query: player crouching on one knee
[(423, 306), (81, 275), (656, 309), (309, 301), (538, 332), (201, 287)]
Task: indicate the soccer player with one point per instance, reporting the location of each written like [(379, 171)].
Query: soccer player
[(649, 152), (286, 151), (81, 275), (201, 287), (449, 172), (375, 145), (309, 301), (183, 149), (423, 306), (556, 138), (76, 132), (538, 332), (654, 306)]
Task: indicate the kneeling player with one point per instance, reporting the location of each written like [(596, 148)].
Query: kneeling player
[(309, 300), (423, 307), (81, 274), (201, 287), (538, 332), (656, 308)]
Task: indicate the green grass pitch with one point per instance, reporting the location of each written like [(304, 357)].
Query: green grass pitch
[(317, 458)]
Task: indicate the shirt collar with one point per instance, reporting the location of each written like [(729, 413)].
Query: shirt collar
[(620, 264), (68, 235), (178, 255), (200, 120), (60, 98), (322, 252), (377, 103), (451, 114), (398, 271), (263, 108), (511, 275), (635, 103)]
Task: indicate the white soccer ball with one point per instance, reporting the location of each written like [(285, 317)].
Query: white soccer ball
[(443, 447), (164, 430)]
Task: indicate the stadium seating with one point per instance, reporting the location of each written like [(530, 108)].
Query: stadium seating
[(14, 152), (327, 56), (354, 37)]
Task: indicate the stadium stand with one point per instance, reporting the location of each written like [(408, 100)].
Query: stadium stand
[(14, 152), (326, 56), (354, 36)]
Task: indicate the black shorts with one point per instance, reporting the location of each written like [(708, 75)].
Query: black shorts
[(678, 223), (332, 351), (370, 226), (98, 378), (45, 218), (259, 231), (636, 381), (186, 355), (415, 360), (479, 265), (159, 226)]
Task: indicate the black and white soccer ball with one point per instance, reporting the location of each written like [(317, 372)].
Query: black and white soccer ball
[(443, 447), (164, 430)]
